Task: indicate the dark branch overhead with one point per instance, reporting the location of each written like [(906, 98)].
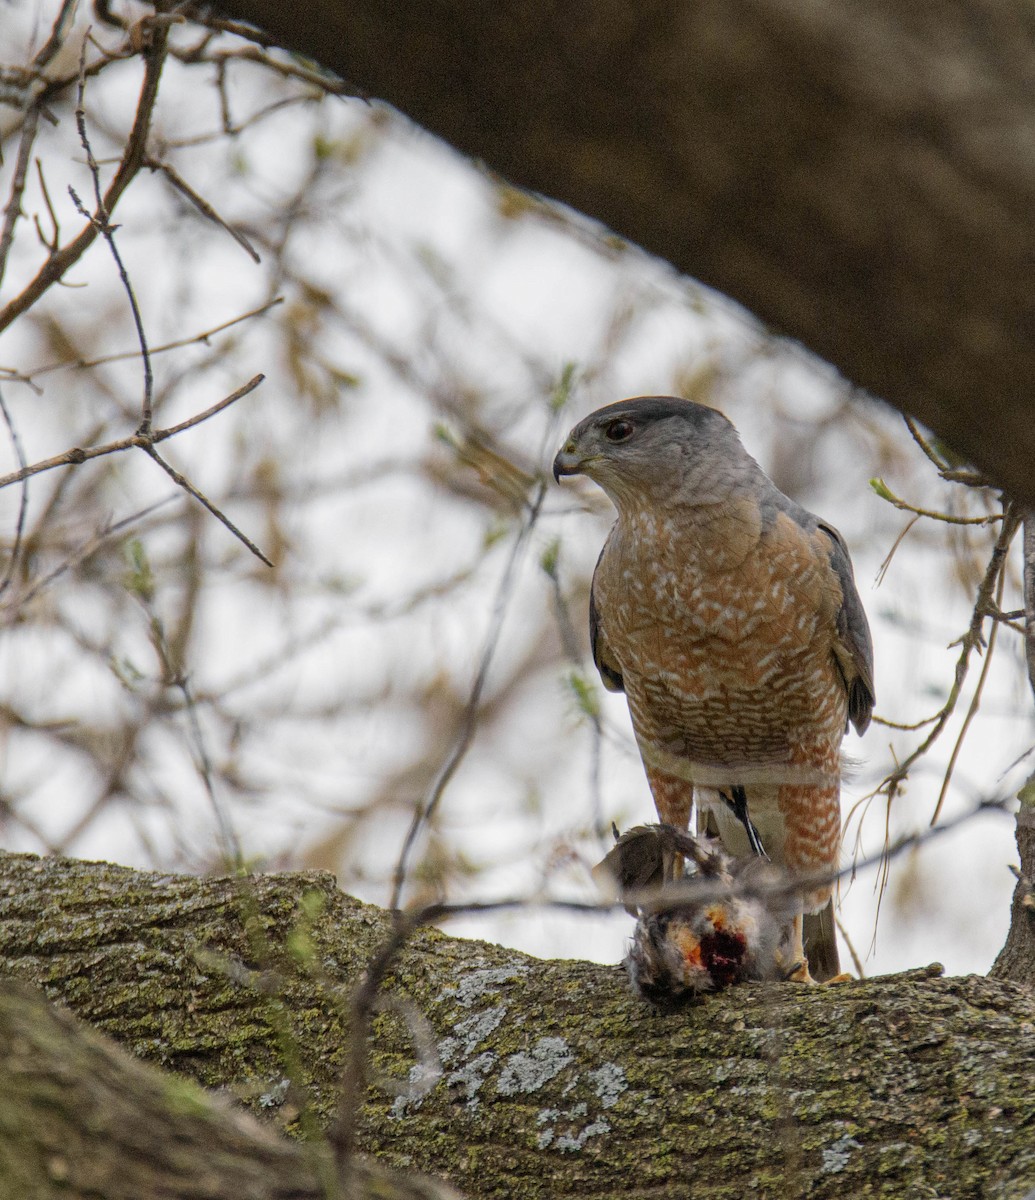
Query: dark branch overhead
[(860, 175)]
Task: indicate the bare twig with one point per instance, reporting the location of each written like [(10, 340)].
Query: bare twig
[(969, 642), (13, 209), (89, 549), (146, 441), (83, 364), (201, 204), (1029, 594), (975, 704), (50, 243), (30, 125), (137, 440), (924, 444), (882, 570), (100, 219), (885, 493), (856, 960), (584, 691), (288, 69), (183, 482), (424, 811), (58, 33), (907, 726), (23, 504), (58, 263), (175, 675)]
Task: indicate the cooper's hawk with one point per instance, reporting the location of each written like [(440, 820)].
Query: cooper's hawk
[(729, 616)]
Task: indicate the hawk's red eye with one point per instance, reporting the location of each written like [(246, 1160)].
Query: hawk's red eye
[(619, 431)]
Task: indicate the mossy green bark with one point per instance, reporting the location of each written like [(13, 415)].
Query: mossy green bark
[(1016, 960), (516, 1078), (81, 1119)]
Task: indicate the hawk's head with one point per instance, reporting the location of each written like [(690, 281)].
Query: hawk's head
[(635, 447)]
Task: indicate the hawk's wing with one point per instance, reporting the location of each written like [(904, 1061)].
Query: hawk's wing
[(853, 651), (605, 660)]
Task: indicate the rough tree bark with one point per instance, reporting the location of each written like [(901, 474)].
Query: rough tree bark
[(554, 1080), (861, 175), (1017, 958), (80, 1117)]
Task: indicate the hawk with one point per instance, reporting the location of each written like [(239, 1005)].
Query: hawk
[(728, 615)]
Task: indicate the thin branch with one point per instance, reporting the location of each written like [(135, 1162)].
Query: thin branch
[(30, 126), (424, 811), (964, 475), (924, 444), (147, 441), (23, 504), (13, 209), (909, 727), (968, 478), (177, 677), (100, 219), (50, 243), (856, 960), (1029, 594), (241, 29), (77, 454), (882, 570), (202, 205), (975, 704), (970, 641), (183, 482), (58, 263), (58, 32), (83, 364), (885, 493), (585, 694), (323, 80), (86, 552)]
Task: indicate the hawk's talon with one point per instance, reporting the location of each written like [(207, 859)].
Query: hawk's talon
[(799, 973)]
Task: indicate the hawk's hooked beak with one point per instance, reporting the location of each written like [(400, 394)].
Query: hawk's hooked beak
[(567, 461)]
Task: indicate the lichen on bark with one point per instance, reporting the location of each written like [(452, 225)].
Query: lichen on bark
[(510, 1076)]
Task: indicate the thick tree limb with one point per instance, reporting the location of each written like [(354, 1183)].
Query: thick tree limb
[(555, 1081), (861, 175), (1017, 958), (82, 1118)]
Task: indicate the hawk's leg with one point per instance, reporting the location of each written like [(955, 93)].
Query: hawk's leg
[(673, 798), (795, 962)]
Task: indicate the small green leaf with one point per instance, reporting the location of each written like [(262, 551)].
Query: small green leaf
[(550, 556), (139, 580), (587, 698), (561, 393)]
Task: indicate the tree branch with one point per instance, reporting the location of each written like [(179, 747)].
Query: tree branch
[(60, 261), (1017, 958), (83, 1120), (551, 1080), (858, 174)]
